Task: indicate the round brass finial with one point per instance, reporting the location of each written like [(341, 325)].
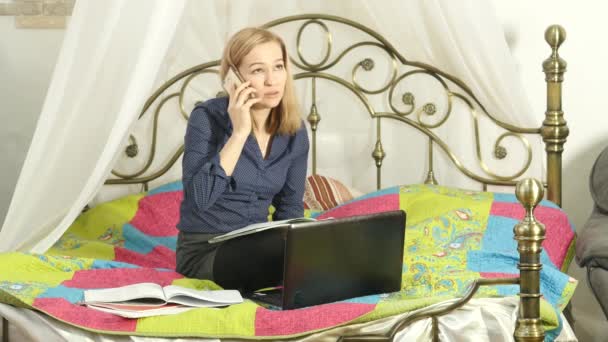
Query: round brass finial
[(555, 36), (529, 192)]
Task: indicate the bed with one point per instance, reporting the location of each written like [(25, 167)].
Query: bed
[(473, 269)]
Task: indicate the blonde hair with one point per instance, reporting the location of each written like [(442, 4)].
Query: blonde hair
[(284, 118)]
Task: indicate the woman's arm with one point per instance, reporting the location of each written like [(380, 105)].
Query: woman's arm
[(289, 201), (204, 178), (231, 152), (206, 170), (239, 106)]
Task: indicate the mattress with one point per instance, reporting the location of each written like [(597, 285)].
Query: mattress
[(483, 319)]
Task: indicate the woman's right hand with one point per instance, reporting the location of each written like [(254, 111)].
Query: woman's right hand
[(239, 108)]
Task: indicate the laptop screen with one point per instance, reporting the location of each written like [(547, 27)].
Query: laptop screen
[(337, 259)]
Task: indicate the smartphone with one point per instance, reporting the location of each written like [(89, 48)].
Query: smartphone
[(232, 80)]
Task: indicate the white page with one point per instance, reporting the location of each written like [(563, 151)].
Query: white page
[(258, 227), (146, 313), (125, 293), (194, 302), (186, 296)]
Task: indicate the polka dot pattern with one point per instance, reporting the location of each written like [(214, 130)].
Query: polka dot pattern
[(217, 203)]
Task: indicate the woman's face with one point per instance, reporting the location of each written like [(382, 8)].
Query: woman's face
[(265, 69)]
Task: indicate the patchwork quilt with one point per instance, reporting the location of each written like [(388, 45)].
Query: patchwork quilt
[(452, 237)]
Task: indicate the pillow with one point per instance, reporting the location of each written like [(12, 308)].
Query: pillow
[(598, 181), (324, 193)]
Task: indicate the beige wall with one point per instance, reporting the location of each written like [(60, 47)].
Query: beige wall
[(27, 58)]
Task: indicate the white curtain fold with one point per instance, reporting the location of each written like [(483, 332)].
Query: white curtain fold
[(114, 52), (464, 38), (107, 66)]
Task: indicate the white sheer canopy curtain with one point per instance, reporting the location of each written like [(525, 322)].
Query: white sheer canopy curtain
[(466, 39), (463, 38), (114, 51), (106, 68)]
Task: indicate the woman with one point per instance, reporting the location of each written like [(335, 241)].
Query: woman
[(242, 154)]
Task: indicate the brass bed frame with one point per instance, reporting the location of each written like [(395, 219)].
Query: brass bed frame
[(529, 233)]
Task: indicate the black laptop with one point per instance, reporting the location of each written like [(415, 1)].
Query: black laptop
[(332, 260)]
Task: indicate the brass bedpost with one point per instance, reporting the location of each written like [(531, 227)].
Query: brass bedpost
[(430, 175), (554, 130), (378, 154), (4, 329), (529, 234), (314, 118)]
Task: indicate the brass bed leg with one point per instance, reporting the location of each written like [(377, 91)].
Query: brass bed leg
[(4, 330), (529, 234), (570, 316), (435, 328)]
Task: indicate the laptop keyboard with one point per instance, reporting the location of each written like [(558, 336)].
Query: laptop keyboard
[(273, 298)]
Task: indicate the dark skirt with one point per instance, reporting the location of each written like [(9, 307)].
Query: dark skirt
[(246, 263)]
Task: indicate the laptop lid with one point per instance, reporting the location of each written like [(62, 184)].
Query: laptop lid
[(337, 259)]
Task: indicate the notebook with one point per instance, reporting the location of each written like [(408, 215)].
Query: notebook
[(333, 260)]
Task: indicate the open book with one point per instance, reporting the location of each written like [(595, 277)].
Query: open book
[(258, 227), (149, 299)]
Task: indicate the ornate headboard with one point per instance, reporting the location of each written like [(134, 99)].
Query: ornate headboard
[(411, 94)]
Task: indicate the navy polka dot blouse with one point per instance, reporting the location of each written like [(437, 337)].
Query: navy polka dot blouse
[(216, 203)]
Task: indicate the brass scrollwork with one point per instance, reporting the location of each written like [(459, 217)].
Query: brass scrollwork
[(408, 99), (429, 109), (367, 64), (182, 90), (132, 149), (423, 111), (152, 146), (500, 152), (328, 39)]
